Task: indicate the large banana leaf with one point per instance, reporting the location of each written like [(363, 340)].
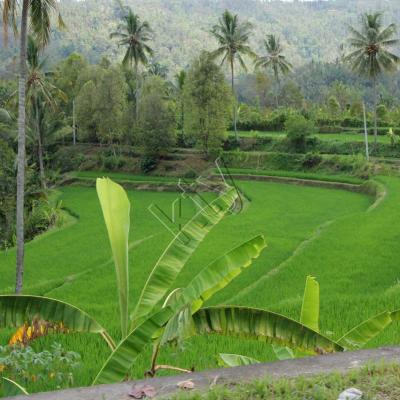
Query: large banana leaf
[(309, 317), (179, 327), (310, 308), (178, 252), (359, 336), (12, 388), (124, 356), (236, 360), (116, 208), (17, 310), (221, 272), (262, 325), (179, 324), (209, 281)]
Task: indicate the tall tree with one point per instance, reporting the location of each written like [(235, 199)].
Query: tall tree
[(38, 12), (157, 118), (371, 55), (233, 38), (102, 103), (275, 60), (39, 92), (133, 34), (208, 100)]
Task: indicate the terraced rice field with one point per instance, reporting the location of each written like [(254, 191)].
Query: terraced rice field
[(346, 137), (334, 235)]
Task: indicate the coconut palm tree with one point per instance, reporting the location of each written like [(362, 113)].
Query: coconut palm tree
[(40, 93), (371, 56), (38, 14), (275, 60), (233, 38), (133, 34)]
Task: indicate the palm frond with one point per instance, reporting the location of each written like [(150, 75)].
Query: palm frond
[(9, 11), (371, 56), (232, 37)]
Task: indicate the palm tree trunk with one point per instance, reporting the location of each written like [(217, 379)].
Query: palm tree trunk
[(40, 147), (278, 85), (21, 148), (137, 94), (73, 123), (375, 112), (234, 103), (182, 117)]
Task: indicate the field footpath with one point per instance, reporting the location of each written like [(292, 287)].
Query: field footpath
[(203, 381)]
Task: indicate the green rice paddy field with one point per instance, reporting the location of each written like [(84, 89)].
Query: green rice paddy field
[(334, 235), (338, 137)]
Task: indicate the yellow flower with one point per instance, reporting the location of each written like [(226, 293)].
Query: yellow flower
[(2, 367), (18, 337), (29, 332)]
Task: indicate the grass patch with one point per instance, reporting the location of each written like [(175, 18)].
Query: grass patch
[(298, 175), (376, 382)]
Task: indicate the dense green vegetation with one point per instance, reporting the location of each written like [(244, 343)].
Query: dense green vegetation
[(310, 30)]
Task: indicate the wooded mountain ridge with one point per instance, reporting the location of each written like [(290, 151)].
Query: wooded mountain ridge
[(309, 30)]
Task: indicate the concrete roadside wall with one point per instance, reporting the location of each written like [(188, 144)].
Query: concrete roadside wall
[(338, 362)]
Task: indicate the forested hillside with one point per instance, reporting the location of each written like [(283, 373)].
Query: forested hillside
[(309, 30)]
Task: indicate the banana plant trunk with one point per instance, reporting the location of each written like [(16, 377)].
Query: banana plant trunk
[(234, 102), (40, 147), (375, 112), (21, 148)]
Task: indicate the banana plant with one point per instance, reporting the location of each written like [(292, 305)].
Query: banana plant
[(163, 315), (355, 339)]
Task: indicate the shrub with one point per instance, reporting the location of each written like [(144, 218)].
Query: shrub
[(253, 119), (41, 217), (352, 122), (231, 143), (68, 159), (277, 122), (25, 365), (298, 128), (311, 160), (113, 163), (148, 163), (190, 174)]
